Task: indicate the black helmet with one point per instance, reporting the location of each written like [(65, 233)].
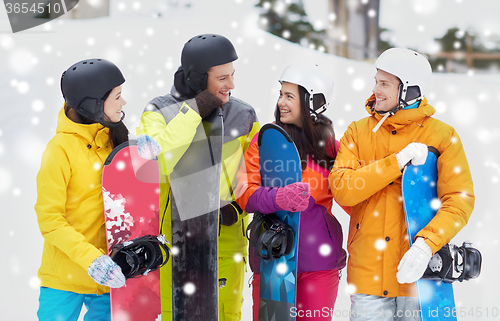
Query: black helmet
[(85, 85), (201, 53)]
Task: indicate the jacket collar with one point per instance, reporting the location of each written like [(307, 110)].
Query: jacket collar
[(402, 117), (92, 134)]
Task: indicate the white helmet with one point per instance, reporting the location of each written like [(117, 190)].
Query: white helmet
[(314, 79), (411, 68)]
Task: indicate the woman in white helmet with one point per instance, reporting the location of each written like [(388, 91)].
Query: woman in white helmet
[(305, 94), (367, 176)]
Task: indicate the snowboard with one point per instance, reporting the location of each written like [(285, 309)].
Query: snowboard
[(420, 201), (279, 166), (195, 202), (130, 186)]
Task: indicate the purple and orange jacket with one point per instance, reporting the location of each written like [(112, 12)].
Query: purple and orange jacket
[(320, 238)]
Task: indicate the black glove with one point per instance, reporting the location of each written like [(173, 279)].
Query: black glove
[(229, 214), (207, 102)]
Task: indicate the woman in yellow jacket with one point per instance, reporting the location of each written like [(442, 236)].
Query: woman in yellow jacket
[(75, 269), (367, 176)]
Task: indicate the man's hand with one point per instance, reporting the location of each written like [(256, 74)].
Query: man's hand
[(207, 102), (229, 213), (414, 152), (414, 262)]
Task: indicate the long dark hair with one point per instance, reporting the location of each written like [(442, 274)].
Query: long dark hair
[(118, 132), (315, 137)]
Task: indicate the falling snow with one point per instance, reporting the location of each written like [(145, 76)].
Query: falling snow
[(281, 268), (325, 249), (380, 244), (435, 204), (31, 64), (189, 288), (238, 257), (174, 250)]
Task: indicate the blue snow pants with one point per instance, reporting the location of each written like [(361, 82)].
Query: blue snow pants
[(58, 305)]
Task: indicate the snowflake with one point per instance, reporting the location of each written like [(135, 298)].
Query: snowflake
[(189, 288), (358, 84), (380, 244), (351, 289), (325, 250), (37, 105), (23, 87), (435, 204), (281, 268), (5, 180)]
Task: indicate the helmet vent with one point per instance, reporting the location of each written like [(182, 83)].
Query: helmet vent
[(91, 63), (85, 63), (74, 68)]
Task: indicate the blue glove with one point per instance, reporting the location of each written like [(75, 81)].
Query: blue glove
[(147, 147), (106, 272)]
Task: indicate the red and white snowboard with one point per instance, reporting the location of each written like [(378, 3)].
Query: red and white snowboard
[(130, 187)]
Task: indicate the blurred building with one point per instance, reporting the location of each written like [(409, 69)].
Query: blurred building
[(353, 30)]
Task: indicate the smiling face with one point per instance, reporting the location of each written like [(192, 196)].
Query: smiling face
[(221, 80), (386, 91), (113, 105), (289, 104)]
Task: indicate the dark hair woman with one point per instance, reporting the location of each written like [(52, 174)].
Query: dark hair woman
[(305, 94)]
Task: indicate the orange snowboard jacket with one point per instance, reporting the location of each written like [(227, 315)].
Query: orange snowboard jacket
[(367, 177)]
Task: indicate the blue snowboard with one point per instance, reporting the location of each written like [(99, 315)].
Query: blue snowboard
[(420, 200), (279, 166)]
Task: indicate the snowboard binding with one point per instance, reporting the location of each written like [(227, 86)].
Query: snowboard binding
[(271, 237), (452, 263), (141, 255)]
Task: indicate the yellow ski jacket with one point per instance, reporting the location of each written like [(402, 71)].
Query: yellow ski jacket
[(69, 205), (173, 123), (366, 176)]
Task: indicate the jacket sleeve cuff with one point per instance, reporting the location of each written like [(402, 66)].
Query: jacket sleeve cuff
[(91, 257), (263, 200), (434, 241)]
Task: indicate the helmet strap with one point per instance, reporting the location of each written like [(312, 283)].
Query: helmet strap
[(314, 112), (408, 95)]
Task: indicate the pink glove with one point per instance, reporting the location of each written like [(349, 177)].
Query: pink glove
[(294, 197)]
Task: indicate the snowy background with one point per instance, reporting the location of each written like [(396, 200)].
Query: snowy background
[(147, 49)]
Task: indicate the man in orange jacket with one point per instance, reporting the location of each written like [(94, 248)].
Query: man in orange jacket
[(367, 176)]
